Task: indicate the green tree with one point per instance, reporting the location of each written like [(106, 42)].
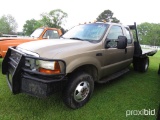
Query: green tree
[(149, 33), (8, 24), (107, 15), (30, 26), (54, 18)]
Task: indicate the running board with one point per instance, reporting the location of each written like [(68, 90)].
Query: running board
[(113, 76)]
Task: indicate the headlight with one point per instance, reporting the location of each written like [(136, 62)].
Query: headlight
[(32, 64), (47, 64), (49, 67)]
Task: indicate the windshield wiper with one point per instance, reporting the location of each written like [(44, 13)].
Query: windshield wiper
[(76, 38)]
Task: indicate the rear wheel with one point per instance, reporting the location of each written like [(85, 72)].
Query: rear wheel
[(141, 64), (144, 64), (78, 90)]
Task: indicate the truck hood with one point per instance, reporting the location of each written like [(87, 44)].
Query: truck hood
[(16, 38), (50, 48)]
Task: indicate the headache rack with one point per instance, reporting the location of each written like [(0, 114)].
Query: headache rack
[(138, 51), (19, 75)]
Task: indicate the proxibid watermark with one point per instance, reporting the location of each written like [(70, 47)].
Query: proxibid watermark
[(140, 112)]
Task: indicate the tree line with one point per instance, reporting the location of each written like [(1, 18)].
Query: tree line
[(149, 33), (8, 24)]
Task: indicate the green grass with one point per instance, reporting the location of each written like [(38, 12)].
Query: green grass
[(110, 101)]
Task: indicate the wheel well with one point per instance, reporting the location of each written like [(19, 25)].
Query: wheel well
[(90, 69)]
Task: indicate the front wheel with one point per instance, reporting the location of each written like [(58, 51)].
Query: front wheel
[(78, 90)]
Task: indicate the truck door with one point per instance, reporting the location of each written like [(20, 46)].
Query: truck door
[(114, 59)]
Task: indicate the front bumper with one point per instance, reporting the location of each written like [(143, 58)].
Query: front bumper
[(24, 80)]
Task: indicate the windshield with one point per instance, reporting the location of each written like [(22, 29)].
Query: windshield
[(37, 33), (88, 32)]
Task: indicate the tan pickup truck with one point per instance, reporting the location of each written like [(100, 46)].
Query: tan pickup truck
[(38, 34), (87, 53)]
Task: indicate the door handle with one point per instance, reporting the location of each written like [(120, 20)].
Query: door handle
[(99, 54)]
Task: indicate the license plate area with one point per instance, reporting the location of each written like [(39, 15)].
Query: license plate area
[(34, 88)]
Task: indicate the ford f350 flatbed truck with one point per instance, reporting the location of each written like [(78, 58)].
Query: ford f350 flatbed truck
[(88, 53)]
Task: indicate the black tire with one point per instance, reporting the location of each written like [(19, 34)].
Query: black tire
[(78, 90), (144, 64), (135, 64), (141, 64)]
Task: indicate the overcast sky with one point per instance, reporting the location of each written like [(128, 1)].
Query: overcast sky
[(80, 11)]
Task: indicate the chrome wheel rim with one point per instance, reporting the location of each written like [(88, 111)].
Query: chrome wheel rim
[(146, 65), (82, 90)]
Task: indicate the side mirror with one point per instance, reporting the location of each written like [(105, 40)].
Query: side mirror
[(122, 42)]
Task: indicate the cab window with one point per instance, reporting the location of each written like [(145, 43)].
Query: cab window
[(113, 34), (51, 34), (128, 35)]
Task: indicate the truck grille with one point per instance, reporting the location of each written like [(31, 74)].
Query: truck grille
[(11, 66), (14, 59)]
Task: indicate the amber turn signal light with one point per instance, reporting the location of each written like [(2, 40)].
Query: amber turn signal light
[(56, 70)]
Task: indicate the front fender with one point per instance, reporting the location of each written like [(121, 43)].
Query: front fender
[(76, 63)]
